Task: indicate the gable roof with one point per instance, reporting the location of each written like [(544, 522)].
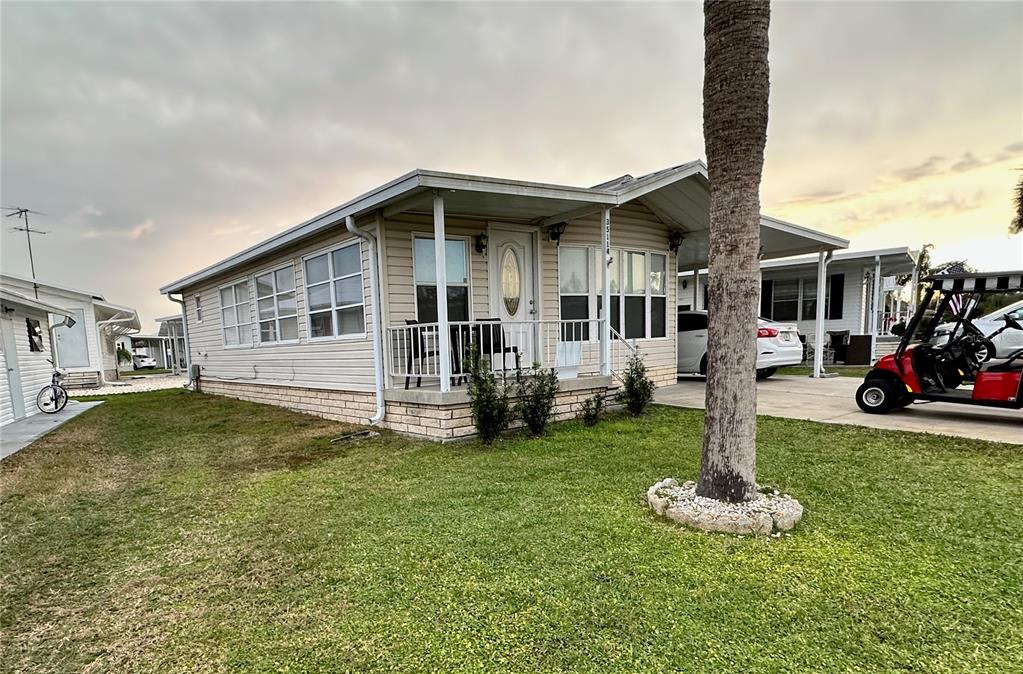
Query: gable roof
[(543, 203)]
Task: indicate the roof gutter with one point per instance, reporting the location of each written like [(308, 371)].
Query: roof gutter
[(374, 289), (184, 333)]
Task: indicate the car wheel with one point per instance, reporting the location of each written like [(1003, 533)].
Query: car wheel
[(703, 365), (877, 396), (985, 351), (766, 372)]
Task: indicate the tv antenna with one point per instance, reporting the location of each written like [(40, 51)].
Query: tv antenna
[(22, 214)]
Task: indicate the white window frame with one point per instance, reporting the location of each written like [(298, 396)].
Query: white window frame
[(198, 307), (272, 271), (595, 288), (334, 306), (468, 271), (242, 344)]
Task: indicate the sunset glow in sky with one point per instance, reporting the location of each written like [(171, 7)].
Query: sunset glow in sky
[(159, 138)]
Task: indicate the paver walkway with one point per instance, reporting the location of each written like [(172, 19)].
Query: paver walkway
[(154, 382), (833, 401)]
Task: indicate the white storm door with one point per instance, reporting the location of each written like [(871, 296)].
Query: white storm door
[(513, 292), (72, 343), (10, 362)]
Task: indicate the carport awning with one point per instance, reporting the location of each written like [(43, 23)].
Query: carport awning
[(116, 320)]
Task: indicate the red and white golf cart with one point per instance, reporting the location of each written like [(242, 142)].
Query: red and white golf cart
[(925, 368)]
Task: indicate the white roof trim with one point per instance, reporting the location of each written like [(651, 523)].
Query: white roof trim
[(17, 298), (848, 256), (54, 286)]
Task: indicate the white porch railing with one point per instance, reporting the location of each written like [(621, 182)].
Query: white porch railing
[(572, 347), (887, 319)]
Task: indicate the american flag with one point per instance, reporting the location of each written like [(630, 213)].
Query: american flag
[(956, 302)]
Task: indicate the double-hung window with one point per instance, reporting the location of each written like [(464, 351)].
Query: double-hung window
[(277, 306), (198, 308), (456, 254), (639, 283), (335, 299), (236, 314), (785, 301)]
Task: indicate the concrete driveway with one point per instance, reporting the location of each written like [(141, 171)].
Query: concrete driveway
[(832, 401)]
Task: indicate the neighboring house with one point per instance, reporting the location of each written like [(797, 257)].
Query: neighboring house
[(86, 351), (789, 292), (173, 331), (295, 320), (25, 351)]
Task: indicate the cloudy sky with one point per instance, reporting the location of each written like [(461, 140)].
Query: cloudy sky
[(160, 138)]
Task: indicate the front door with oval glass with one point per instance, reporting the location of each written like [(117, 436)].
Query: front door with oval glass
[(513, 289)]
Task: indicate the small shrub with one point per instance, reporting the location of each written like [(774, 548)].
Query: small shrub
[(592, 407), (637, 388), (491, 410), (537, 393), (123, 355)]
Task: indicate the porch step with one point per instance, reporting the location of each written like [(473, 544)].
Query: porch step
[(81, 380)]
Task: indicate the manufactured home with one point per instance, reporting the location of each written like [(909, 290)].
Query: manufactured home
[(26, 351), (863, 298), (87, 351), (367, 312)]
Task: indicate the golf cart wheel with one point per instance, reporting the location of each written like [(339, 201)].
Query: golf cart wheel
[(877, 396), (766, 372)]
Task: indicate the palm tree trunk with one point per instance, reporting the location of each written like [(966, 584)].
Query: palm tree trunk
[(735, 96)]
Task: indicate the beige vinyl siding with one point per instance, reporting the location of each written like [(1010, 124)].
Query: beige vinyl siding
[(344, 363), (400, 285), (633, 227)]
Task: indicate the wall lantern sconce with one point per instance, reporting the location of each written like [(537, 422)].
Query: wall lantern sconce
[(675, 241), (685, 284), (555, 232), (481, 241)]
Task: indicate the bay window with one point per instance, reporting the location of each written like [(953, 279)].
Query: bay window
[(236, 314), (335, 301), (456, 254), (277, 306)]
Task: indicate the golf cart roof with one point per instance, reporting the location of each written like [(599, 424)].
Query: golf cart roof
[(978, 282)]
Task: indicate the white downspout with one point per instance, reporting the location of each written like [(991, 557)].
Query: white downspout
[(374, 290), (184, 333)]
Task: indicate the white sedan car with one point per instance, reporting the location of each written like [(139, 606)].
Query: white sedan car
[(1004, 343), (142, 362), (778, 345)]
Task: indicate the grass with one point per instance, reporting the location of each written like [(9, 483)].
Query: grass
[(857, 371), (174, 532)]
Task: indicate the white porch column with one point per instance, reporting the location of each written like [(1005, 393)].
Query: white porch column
[(696, 288), (605, 295), (440, 255), (875, 308), (818, 328)]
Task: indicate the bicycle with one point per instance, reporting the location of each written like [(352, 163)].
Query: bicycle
[(52, 399)]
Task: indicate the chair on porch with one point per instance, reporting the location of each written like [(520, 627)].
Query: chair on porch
[(490, 340), (416, 350)]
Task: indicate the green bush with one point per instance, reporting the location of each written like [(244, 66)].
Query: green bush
[(536, 398), (123, 355), (637, 388), (491, 410), (592, 407)]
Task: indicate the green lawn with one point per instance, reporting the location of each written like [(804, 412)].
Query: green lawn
[(170, 531), (857, 371)]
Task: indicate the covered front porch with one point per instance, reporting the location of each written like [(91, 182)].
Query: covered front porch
[(527, 269)]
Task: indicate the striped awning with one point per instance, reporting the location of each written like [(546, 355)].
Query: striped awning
[(979, 282)]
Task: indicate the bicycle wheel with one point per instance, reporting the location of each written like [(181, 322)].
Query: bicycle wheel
[(51, 399)]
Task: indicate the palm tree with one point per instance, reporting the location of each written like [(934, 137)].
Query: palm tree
[(735, 96), (1016, 226)]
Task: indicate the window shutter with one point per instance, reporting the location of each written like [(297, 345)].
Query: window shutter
[(766, 298), (837, 297)]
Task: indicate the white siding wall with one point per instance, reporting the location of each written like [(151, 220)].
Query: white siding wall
[(6, 408), (33, 367), (68, 301), (345, 363)]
